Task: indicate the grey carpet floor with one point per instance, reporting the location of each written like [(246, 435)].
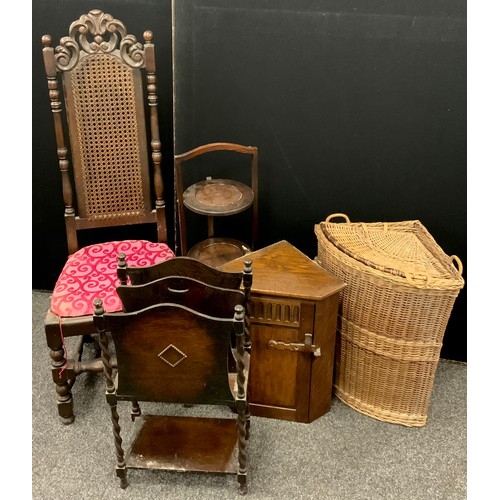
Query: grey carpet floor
[(343, 455)]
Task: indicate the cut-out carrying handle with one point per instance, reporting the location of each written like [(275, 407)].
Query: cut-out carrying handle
[(174, 290)]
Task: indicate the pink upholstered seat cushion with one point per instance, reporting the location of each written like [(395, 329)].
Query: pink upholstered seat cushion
[(91, 273)]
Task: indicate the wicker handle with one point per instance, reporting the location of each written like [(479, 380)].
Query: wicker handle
[(331, 216), (416, 279), (458, 263)]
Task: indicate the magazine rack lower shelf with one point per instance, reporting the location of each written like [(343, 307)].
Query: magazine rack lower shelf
[(185, 444)]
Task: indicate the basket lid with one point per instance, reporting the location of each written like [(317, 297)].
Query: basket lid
[(402, 249)]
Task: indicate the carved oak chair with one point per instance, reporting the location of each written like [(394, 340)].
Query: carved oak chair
[(106, 176), (217, 197), (172, 343)]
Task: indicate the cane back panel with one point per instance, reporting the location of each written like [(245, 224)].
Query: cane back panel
[(108, 137)]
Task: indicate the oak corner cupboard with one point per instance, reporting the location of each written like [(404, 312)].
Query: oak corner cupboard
[(293, 312)]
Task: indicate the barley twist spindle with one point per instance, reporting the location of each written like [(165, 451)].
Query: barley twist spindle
[(247, 285)]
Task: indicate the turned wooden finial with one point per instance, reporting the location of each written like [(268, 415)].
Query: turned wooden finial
[(247, 285), (247, 274), (238, 310), (248, 265), (121, 259), (148, 36), (98, 308), (121, 270), (47, 40)]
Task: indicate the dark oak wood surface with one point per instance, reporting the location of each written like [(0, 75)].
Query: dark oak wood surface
[(167, 353), (185, 444), (281, 269), (217, 251), (292, 298), (180, 341), (181, 290), (218, 197), (215, 197), (181, 266)]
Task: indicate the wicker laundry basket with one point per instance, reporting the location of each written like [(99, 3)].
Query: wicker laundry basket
[(401, 288)]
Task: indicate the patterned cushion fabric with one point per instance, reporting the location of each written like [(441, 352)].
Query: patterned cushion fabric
[(91, 273)]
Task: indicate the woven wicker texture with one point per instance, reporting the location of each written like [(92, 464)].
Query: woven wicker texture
[(108, 139), (401, 288)]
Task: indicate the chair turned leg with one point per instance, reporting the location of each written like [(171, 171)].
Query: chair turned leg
[(63, 386)]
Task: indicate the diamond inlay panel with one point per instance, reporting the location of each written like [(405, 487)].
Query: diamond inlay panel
[(172, 355)]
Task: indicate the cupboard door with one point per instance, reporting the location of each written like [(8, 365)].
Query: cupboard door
[(279, 382)]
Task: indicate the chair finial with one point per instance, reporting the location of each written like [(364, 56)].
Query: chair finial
[(98, 308)]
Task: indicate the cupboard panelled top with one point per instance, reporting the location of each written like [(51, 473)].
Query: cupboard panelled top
[(283, 270)]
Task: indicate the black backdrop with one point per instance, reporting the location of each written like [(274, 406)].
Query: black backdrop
[(356, 107)]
